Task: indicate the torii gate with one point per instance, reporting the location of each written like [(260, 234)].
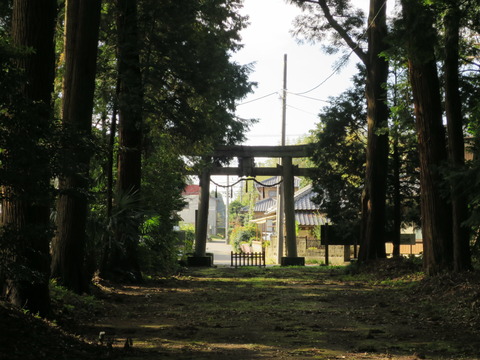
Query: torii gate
[(245, 155)]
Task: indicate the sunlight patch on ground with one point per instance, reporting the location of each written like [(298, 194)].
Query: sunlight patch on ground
[(202, 346), (156, 326)]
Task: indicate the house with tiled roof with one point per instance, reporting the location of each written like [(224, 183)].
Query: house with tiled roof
[(307, 219), (267, 189), (307, 216)]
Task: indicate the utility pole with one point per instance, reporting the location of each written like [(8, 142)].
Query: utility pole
[(280, 193)]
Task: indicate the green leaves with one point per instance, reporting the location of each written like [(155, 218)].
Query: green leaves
[(340, 156), (191, 84)]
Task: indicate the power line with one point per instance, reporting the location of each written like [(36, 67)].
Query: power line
[(337, 68), (304, 111), (311, 98), (259, 98)]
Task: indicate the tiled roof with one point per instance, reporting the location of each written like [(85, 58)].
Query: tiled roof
[(274, 180), (304, 199), (309, 218), (191, 190), (265, 204), (262, 205), (306, 211)]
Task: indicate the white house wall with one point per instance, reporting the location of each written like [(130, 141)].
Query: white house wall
[(188, 213)]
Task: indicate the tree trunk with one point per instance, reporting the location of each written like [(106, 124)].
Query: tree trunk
[(373, 198), (397, 201), (26, 205), (111, 152), (130, 129), (81, 39), (397, 198), (453, 107), (373, 202), (435, 210)]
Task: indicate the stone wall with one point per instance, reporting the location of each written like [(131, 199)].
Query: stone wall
[(312, 251)]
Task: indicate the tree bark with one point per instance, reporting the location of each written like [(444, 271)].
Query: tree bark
[(81, 39), (372, 242), (397, 198), (373, 202), (435, 210), (26, 212), (129, 129), (456, 147), (397, 201)]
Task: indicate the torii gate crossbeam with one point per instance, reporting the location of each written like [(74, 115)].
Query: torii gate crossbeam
[(245, 154)]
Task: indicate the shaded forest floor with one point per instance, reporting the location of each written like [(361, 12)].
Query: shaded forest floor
[(387, 312)]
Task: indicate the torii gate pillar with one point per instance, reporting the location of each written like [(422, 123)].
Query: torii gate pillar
[(200, 257), (292, 258)]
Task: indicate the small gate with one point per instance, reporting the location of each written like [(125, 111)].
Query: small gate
[(247, 259)]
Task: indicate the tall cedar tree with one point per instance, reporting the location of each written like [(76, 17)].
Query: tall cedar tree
[(456, 146), (435, 210), (130, 104), (339, 157), (26, 200), (81, 38), (373, 199)]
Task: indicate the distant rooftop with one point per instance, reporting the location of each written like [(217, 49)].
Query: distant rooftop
[(191, 190), (274, 180)]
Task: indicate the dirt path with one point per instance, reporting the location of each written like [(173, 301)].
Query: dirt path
[(277, 313)]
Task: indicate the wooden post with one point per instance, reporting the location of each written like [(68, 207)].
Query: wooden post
[(346, 253), (279, 219), (327, 255), (202, 225), (288, 191)]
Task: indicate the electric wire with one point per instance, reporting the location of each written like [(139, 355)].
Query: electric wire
[(337, 68), (298, 109), (334, 71), (309, 97), (259, 98)]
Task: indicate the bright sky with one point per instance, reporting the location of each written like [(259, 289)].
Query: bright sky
[(266, 41)]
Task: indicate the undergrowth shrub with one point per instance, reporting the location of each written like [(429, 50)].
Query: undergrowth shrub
[(241, 235), (69, 307)]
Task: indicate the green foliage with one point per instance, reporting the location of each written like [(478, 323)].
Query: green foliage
[(403, 140), (158, 249), (339, 156), (189, 231), (128, 214), (241, 235), (162, 184), (235, 213), (312, 26), (69, 306), (14, 248), (28, 148), (191, 85)]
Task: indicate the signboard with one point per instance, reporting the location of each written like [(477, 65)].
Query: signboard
[(333, 235)]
